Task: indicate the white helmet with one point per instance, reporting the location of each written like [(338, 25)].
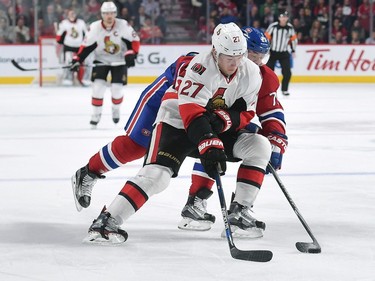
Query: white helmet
[(108, 7), (228, 39)]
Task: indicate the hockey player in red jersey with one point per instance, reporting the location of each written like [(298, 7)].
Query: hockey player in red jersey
[(110, 39), (271, 116), (216, 99)]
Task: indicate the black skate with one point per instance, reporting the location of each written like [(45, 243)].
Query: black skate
[(105, 230), (82, 183), (242, 223), (194, 214)]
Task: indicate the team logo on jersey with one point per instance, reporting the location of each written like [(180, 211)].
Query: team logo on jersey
[(198, 68), (74, 33), (146, 132), (110, 47), (217, 101)]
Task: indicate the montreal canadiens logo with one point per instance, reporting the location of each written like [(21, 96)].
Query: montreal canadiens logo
[(146, 132)]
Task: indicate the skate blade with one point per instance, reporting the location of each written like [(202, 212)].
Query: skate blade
[(95, 238), (193, 225), (78, 206), (250, 233)]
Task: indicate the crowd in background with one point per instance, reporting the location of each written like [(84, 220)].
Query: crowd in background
[(24, 21)]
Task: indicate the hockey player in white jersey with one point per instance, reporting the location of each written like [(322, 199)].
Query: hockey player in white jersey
[(70, 34), (201, 117), (115, 45)]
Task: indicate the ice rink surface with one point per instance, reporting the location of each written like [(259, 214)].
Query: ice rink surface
[(329, 171)]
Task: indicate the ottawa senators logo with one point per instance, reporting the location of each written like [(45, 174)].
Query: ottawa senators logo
[(198, 68), (110, 47), (217, 101), (74, 33)]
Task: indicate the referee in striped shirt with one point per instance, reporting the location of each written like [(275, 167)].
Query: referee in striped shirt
[(282, 36)]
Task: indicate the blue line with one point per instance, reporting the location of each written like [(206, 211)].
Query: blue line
[(350, 174)]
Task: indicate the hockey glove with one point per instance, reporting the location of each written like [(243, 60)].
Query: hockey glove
[(220, 121), (74, 65), (212, 153), (130, 58), (279, 144)]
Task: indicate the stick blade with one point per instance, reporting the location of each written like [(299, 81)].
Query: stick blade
[(16, 65), (256, 255), (311, 248)]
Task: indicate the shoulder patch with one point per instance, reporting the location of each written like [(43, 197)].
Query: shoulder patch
[(198, 68)]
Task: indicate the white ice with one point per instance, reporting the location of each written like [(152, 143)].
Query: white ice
[(329, 171)]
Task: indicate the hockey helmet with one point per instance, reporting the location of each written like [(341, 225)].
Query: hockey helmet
[(228, 39), (108, 7), (256, 40)]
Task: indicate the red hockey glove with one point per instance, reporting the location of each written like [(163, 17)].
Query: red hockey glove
[(212, 154), (279, 144)]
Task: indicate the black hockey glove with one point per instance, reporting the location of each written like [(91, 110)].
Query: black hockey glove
[(220, 121), (130, 58), (212, 153), (74, 65)]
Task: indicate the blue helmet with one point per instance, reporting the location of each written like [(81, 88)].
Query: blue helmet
[(256, 40)]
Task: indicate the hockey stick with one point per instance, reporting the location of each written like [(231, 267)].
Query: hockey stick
[(252, 255), (304, 247), (18, 66)]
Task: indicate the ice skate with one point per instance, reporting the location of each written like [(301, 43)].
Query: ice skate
[(95, 119), (85, 83), (194, 214), (105, 230), (242, 223), (67, 82), (115, 115), (82, 183)]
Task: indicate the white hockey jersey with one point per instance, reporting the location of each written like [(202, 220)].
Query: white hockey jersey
[(71, 34), (110, 45), (204, 81)]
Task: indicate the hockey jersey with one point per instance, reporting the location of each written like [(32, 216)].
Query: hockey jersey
[(203, 82), (71, 33), (109, 45)]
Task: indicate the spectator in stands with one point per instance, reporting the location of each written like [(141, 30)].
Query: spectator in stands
[(323, 18), (227, 17), (338, 28), (371, 39), (267, 18), (321, 31), (314, 37), (124, 14), (349, 14), (149, 33), (161, 22), (152, 8), (21, 32), (4, 31), (93, 7), (139, 19), (320, 8), (338, 38), (354, 38), (356, 26), (363, 14), (253, 16), (272, 7)]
